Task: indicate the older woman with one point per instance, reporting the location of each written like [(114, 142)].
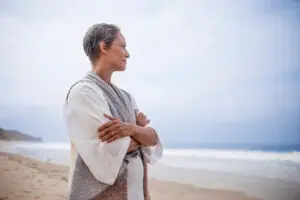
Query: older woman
[(111, 141)]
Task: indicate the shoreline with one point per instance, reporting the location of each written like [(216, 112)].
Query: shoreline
[(27, 178)]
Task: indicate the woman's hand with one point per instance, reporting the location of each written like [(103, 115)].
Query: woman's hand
[(115, 129), (142, 120)]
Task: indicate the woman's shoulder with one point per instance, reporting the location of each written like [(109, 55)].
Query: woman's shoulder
[(83, 87)]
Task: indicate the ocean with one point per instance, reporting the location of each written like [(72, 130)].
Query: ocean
[(268, 174)]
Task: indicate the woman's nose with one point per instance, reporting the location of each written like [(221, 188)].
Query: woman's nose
[(127, 54)]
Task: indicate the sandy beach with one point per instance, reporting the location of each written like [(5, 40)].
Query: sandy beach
[(26, 178)]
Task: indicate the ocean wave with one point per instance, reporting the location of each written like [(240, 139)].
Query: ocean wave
[(235, 154), (228, 154)]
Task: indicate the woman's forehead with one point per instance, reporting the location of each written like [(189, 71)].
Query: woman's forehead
[(120, 38)]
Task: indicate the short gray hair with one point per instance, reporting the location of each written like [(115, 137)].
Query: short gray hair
[(95, 34)]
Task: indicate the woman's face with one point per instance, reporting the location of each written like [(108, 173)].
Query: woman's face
[(117, 54)]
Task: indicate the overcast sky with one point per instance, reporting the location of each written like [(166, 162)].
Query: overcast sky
[(215, 61)]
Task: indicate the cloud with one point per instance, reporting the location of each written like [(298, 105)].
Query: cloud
[(224, 61)]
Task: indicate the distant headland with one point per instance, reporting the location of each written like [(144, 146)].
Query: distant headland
[(13, 135)]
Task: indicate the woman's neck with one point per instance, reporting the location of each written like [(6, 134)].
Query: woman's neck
[(103, 72)]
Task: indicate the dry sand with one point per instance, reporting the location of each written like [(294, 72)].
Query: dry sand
[(25, 178)]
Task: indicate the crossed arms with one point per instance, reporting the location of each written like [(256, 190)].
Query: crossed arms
[(104, 148), (139, 133)]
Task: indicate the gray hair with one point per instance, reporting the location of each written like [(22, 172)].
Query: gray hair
[(95, 34)]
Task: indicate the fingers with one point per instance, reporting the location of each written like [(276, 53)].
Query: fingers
[(109, 117), (109, 129), (109, 135), (142, 119), (115, 137), (116, 132), (106, 125), (141, 116), (147, 122)]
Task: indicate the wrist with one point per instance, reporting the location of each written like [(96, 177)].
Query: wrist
[(137, 130)]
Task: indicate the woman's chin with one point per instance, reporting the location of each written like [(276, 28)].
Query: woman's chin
[(121, 68)]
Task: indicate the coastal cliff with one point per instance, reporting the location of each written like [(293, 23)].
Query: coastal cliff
[(13, 135)]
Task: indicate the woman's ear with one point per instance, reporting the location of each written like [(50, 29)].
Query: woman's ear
[(103, 47)]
